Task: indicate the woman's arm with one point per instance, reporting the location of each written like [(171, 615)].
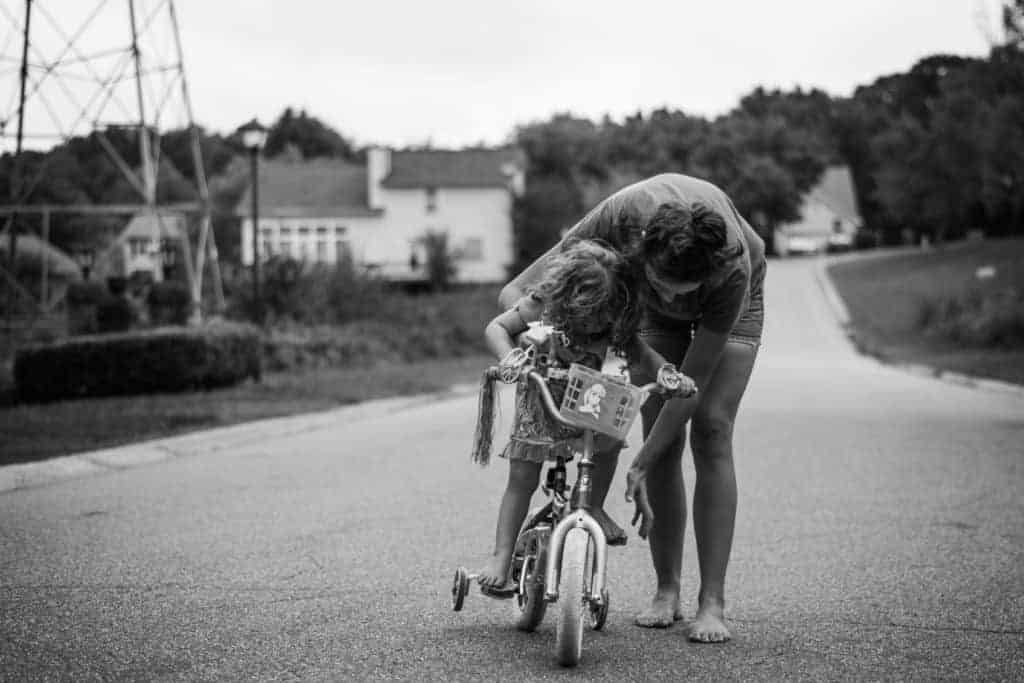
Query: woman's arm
[(699, 364), (522, 283)]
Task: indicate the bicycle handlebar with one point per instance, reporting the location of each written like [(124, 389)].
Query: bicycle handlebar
[(494, 372)]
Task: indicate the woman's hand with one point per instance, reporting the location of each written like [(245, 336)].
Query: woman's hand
[(643, 512), (635, 482)]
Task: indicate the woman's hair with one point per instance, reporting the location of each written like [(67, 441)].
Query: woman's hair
[(683, 242), (590, 281)]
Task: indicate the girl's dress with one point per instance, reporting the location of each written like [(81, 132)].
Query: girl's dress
[(536, 437)]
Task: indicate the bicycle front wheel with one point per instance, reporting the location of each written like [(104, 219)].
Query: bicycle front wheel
[(573, 586)]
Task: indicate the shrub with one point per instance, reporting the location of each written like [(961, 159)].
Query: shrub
[(161, 360), (169, 302), (115, 314), (984, 319)]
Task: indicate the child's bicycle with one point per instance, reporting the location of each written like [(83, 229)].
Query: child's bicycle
[(561, 551)]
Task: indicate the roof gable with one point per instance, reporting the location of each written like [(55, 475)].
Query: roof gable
[(835, 190), (454, 168)]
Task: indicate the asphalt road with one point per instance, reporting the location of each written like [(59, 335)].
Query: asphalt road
[(880, 536)]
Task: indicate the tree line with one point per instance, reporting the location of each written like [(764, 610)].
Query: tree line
[(937, 150)]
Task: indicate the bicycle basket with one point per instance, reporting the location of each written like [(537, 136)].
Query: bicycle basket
[(600, 402)]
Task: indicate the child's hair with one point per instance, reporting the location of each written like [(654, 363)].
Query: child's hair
[(586, 281), (589, 281), (687, 242)]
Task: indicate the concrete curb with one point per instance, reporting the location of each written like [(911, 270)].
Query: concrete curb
[(34, 474), (842, 315)]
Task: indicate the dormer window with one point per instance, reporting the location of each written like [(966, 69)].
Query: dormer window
[(431, 199)]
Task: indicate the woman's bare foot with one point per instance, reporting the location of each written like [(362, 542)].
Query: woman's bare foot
[(495, 574), (663, 612), (613, 533), (709, 625)]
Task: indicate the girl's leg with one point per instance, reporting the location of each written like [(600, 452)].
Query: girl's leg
[(523, 477), (714, 498), (605, 461)]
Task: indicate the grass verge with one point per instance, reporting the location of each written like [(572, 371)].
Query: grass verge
[(36, 432), (893, 301)]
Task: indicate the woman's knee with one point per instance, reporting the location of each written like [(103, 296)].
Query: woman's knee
[(711, 435)]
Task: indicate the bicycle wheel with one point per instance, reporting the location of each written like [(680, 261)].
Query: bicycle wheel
[(530, 598), (572, 591)]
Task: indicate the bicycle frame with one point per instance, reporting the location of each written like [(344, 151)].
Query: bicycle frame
[(579, 516)]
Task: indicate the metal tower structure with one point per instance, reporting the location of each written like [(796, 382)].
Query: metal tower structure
[(92, 67)]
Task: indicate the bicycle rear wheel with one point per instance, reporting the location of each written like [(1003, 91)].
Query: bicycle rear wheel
[(573, 586)]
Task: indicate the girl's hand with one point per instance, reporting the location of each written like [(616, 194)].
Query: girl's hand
[(512, 366)]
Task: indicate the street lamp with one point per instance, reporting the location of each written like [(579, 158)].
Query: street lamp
[(254, 136)]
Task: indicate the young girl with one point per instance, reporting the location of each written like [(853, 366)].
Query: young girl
[(586, 297)]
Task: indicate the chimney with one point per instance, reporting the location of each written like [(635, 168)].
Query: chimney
[(378, 166)]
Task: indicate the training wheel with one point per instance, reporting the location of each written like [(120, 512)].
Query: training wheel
[(460, 587), (599, 612)]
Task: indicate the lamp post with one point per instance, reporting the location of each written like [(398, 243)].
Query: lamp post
[(254, 136)]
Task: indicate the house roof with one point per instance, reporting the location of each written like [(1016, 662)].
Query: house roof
[(31, 247), (314, 188), (146, 225), (835, 190), (453, 168)]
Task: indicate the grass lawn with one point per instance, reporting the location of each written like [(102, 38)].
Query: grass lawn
[(35, 432), (885, 296)]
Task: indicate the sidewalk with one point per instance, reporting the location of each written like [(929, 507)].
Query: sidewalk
[(43, 472)]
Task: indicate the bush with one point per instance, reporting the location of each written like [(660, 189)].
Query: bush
[(115, 314), (161, 360), (169, 302), (977, 318)]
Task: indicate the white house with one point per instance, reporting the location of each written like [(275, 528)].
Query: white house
[(829, 216), (323, 211), (143, 241)]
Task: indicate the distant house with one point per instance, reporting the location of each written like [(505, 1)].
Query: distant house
[(143, 240), (377, 215), (829, 216)]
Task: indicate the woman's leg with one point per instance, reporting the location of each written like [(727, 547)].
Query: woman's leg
[(523, 477), (714, 496)]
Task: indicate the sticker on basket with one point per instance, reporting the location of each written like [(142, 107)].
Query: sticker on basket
[(591, 404)]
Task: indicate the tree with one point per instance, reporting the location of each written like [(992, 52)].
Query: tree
[(309, 135)]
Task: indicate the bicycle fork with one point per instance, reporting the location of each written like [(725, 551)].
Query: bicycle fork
[(578, 518)]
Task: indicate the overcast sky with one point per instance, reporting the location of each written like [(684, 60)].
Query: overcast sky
[(458, 72)]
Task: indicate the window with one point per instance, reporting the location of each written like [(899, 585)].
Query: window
[(837, 226), (303, 250), (268, 249), (472, 249), (303, 230), (431, 199), (286, 248), (340, 230), (321, 251), (138, 246), (342, 251)]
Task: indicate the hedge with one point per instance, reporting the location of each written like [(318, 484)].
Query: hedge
[(164, 359)]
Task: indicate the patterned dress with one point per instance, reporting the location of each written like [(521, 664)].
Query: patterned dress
[(536, 437)]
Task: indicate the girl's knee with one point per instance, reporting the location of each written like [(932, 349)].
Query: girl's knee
[(523, 476)]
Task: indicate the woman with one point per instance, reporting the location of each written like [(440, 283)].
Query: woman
[(701, 269)]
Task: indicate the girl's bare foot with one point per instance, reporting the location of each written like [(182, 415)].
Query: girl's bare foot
[(663, 612), (709, 625), (495, 574), (613, 533)]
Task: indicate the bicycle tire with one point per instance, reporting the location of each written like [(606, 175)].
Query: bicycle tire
[(531, 602), (573, 584)]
